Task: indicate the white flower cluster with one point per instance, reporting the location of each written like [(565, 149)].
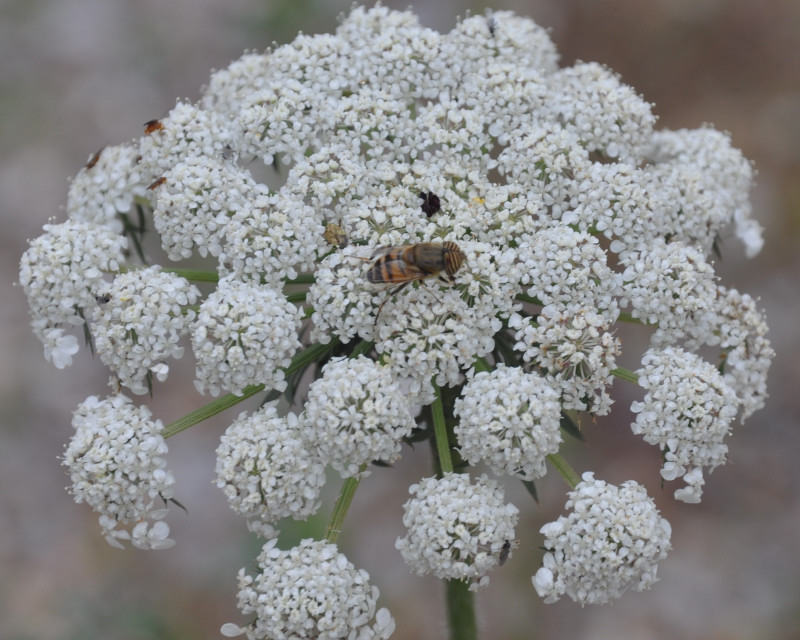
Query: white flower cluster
[(116, 465), (195, 202), (740, 331), (139, 322), (62, 273), (510, 419), (356, 413), (528, 165), (310, 591), (568, 268), (243, 334), (266, 468), (577, 351), (106, 187), (687, 411), (434, 204), (611, 541), (456, 529), (669, 285)]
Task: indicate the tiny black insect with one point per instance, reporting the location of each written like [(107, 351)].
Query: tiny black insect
[(430, 203)]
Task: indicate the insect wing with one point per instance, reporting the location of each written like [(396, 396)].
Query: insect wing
[(389, 267)]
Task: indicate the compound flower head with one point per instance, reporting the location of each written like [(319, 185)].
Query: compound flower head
[(303, 172), (510, 419), (356, 413), (139, 322), (456, 529), (116, 465), (687, 411), (244, 333), (309, 591), (611, 541), (266, 469)]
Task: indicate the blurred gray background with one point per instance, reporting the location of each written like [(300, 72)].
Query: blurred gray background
[(78, 74)]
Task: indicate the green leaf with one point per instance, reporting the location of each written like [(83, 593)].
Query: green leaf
[(570, 425), (531, 487)]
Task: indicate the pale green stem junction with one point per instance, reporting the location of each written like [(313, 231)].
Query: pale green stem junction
[(342, 505)]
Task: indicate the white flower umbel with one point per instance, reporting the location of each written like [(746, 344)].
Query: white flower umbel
[(243, 336), (271, 238), (62, 273), (687, 412), (426, 334), (709, 182), (139, 323), (266, 469), (740, 330), (576, 351), (309, 592), (456, 529), (607, 116), (116, 465), (669, 285), (569, 267), (343, 303), (510, 420), (356, 413), (194, 202), (106, 187), (611, 541), (309, 173), (187, 131)]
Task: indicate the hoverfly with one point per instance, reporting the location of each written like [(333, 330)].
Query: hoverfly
[(407, 263)]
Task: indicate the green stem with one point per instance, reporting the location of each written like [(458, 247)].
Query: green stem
[(229, 400), (297, 297), (526, 298), (565, 469), (193, 275), (361, 348), (303, 278), (625, 374), (459, 599), (625, 316), (342, 505), (440, 433), (480, 365), (461, 610), (211, 409)]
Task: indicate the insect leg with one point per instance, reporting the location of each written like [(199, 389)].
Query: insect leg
[(392, 291)]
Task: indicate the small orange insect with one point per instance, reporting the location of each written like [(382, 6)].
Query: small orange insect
[(151, 126), (407, 263), (157, 183), (93, 160)]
